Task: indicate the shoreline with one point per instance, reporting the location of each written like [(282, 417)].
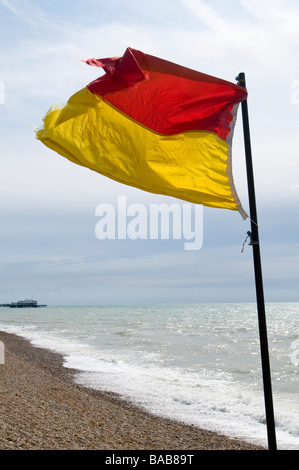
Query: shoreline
[(42, 408)]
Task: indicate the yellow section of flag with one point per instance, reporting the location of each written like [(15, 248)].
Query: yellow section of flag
[(192, 165)]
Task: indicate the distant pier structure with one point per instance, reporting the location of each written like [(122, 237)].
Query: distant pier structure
[(27, 303)]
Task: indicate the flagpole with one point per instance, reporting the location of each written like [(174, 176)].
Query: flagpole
[(258, 277)]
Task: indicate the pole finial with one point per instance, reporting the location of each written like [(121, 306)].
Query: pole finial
[(241, 79)]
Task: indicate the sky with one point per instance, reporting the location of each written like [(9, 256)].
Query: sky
[(49, 248)]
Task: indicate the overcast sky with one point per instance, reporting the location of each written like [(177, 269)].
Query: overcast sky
[(48, 244)]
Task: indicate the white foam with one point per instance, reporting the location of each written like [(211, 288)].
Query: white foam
[(209, 401)]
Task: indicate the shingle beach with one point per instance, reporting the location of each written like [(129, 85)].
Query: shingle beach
[(42, 408)]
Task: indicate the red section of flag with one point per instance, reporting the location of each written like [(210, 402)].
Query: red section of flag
[(165, 97)]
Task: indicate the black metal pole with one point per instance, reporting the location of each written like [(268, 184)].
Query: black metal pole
[(258, 278)]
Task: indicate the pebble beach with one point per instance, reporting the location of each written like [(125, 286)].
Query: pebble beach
[(42, 408)]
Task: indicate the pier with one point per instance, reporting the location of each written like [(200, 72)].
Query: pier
[(27, 303)]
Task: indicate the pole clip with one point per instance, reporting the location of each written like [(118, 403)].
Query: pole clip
[(252, 242)]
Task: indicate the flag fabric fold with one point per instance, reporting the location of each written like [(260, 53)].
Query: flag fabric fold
[(154, 125)]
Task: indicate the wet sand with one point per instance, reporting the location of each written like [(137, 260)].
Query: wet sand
[(42, 408)]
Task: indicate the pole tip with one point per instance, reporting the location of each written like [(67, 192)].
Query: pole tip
[(241, 79)]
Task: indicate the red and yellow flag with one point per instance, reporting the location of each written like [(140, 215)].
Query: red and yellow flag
[(154, 125)]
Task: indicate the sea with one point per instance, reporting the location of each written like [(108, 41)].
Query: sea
[(199, 364)]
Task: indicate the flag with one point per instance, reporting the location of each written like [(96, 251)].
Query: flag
[(154, 125)]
